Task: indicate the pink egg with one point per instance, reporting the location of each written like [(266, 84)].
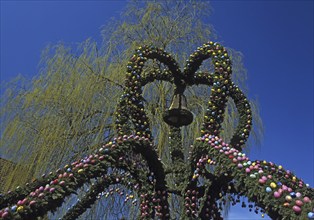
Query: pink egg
[(247, 170), (261, 181), (299, 203), (284, 187), (5, 214), (306, 199), (296, 209), (298, 194), (24, 201), (277, 194), (269, 176), (31, 203), (264, 178)]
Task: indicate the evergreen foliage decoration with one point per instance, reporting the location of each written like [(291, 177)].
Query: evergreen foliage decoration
[(214, 171)]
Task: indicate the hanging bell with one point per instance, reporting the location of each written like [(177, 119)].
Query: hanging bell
[(178, 115)]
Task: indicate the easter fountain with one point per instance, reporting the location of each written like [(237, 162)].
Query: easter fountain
[(213, 173)]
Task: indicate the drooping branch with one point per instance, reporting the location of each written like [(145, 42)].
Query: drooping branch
[(91, 196)]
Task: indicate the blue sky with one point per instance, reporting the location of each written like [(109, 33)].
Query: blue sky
[(275, 37)]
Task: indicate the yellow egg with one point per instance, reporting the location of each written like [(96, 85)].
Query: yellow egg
[(20, 209), (280, 167), (273, 185), (209, 160), (288, 198), (80, 171)]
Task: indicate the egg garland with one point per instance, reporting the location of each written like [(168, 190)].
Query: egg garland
[(262, 174), (132, 100), (218, 80), (222, 88), (69, 178), (245, 121)]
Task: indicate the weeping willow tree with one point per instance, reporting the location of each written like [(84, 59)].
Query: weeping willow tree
[(67, 110)]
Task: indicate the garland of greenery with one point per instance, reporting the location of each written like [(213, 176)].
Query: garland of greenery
[(67, 180), (216, 172), (279, 192)]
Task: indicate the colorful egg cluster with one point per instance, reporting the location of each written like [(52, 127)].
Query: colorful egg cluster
[(219, 80), (131, 103), (222, 88), (71, 177), (220, 59), (245, 120), (277, 182)]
